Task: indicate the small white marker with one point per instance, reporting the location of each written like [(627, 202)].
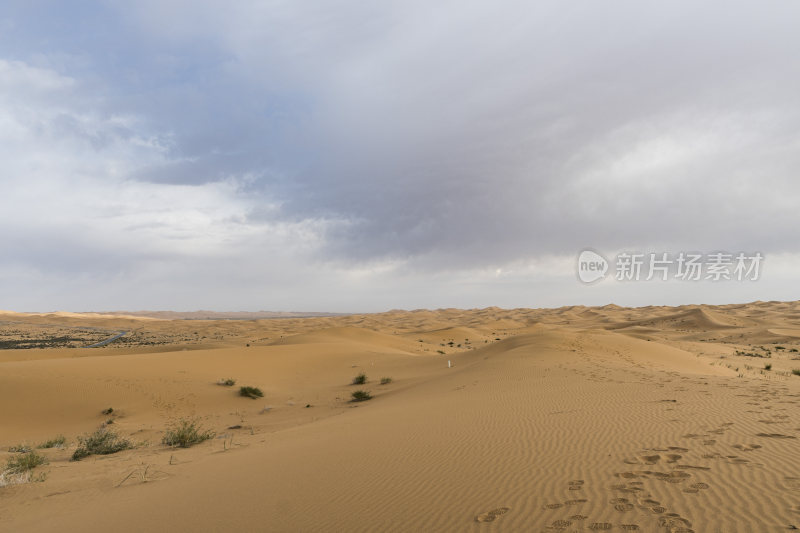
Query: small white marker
[(448, 363)]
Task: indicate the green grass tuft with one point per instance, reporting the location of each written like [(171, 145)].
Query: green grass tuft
[(24, 463), (361, 395), (359, 379), (101, 442), (251, 392), (227, 382), (57, 442), (386, 381), (796, 371), (185, 433)]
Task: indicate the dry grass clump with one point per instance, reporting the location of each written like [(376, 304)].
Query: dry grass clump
[(18, 469)]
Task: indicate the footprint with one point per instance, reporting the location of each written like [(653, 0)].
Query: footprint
[(553, 506), (600, 526), (629, 527), (576, 484), (700, 486), (578, 517), (490, 516), (676, 476), (576, 502), (675, 523), (774, 436), (747, 447), (560, 524), (649, 502), (792, 483)]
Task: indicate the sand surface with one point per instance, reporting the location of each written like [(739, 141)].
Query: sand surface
[(573, 419)]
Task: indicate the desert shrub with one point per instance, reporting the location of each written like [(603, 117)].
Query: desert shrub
[(251, 392), (386, 381), (101, 442), (361, 395), (185, 433), (24, 463), (768, 366), (359, 379), (796, 371), (20, 448), (56, 442), (227, 382), (107, 411)]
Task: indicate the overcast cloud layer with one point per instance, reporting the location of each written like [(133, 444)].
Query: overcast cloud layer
[(351, 156)]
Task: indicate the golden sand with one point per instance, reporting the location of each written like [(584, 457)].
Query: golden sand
[(572, 419)]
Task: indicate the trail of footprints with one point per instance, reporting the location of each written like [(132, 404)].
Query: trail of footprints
[(579, 521), (630, 494), (491, 516)]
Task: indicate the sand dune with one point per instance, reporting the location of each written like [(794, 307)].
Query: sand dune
[(582, 419)]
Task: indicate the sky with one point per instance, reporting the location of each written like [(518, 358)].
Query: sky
[(356, 156)]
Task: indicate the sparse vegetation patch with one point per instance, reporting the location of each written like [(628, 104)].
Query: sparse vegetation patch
[(361, 396), (185, 433), (101, 442), (24, 463), (251, 392), (56, 442)]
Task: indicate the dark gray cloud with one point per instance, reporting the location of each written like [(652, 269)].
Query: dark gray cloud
[(514, 130)]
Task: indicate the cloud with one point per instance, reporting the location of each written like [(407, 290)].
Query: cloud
[(390, 143), (443, 131)]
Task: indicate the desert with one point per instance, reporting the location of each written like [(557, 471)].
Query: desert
[(399, 266), (569, 419)]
